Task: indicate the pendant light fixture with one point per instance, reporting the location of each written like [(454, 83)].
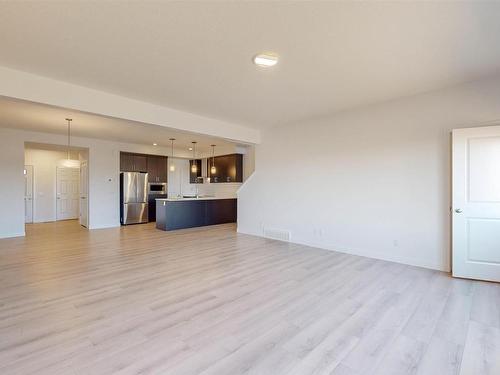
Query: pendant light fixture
[(194, 167), (213, 170), (68, 162), (172, 165)]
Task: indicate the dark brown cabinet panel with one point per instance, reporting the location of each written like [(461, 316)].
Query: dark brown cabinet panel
[(126, 162), (162, 168), (157, 168), (152, 205), (221, 211), (228, 168), (193, 177), (141, 163), (133, 162), (151, 168)]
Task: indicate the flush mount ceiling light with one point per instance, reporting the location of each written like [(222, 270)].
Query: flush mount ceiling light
[(155, 144), (266, 60)]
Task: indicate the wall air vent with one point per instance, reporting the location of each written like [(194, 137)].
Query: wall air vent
[(277, 234)]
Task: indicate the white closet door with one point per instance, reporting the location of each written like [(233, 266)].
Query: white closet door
[(67, 194), (476, 203)]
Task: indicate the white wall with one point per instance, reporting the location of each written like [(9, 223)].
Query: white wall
[(373, 181), (248, 162), (178, 180), (44, 164), (34, 88), (11, 185)]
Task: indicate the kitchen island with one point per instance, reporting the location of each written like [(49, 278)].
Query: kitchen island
[(179, 213)]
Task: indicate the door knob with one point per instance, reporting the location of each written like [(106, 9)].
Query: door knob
[(458, 210)]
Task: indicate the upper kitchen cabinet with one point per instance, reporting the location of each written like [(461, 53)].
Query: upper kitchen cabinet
[(133, 162), (193, 176), (126, 162), (228, 168), (157, 168)]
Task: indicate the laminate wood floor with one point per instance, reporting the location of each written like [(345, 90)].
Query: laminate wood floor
[(136, 300)]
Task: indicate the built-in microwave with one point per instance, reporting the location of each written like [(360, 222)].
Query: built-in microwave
[(157, 188)]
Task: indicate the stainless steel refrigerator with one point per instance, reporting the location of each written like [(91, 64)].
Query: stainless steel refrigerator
[(133, 197)]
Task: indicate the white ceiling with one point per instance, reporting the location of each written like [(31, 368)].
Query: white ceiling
[(17, 114), (196, 56)]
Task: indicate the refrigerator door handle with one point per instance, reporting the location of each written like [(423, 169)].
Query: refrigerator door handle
[(142, 187)]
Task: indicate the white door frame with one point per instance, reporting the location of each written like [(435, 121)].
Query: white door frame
[(84, 198), (29, 200)]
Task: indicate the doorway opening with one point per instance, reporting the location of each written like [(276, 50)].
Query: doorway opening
[(55, 189)]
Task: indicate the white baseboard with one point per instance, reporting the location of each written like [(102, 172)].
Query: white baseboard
[(104, 226), (383, 256), (11, 235), (365, 253)]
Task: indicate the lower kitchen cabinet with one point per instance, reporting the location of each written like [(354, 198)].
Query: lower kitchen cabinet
[(179, 214), (152, 205)]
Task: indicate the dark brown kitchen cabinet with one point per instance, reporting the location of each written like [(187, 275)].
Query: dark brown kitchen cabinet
[(133, 162), (140, 163), (157, 168), (228, 168), (126, 162), (193, 176)]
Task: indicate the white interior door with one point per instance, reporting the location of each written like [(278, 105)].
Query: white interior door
[(67, 194), (476, 203), (28, 193), (84, 198)]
